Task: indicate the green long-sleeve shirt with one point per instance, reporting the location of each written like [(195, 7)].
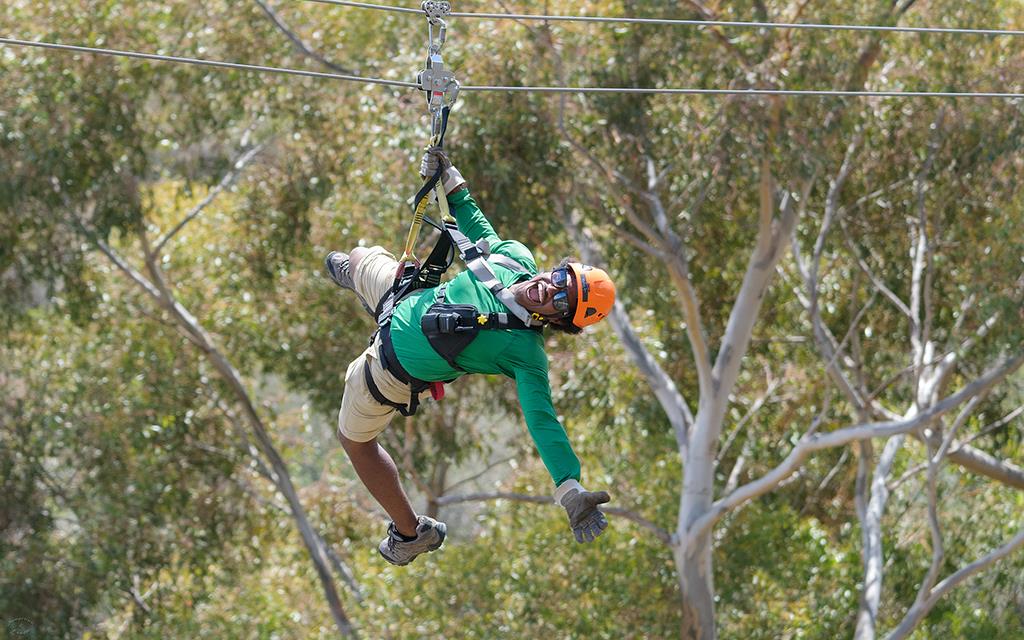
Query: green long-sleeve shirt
[(518, 354)]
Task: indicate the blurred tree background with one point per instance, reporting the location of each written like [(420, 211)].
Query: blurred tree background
[(139, 499)]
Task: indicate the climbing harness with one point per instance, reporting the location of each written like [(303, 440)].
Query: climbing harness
[(449, 328)]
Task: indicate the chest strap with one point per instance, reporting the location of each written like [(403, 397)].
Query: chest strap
[(476, 258)]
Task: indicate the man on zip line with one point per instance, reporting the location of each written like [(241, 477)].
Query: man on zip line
[(436, 334)]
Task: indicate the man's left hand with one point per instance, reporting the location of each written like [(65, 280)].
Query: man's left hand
[(585, 519)]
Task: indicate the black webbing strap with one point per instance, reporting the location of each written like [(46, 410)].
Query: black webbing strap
[(412, 276), (431, 183), (405, 410), (389, 361), (501, 320), (439, 261)]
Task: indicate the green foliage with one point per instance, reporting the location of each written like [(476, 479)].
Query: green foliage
[(122, 475), (518, 578), (808, 595), (131, 505)]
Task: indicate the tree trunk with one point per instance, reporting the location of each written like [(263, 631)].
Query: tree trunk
[(693, 554), (693, 565), (282, 480), (874, 557), (197, 335)]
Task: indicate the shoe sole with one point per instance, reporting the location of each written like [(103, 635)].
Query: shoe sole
[(443, 532)]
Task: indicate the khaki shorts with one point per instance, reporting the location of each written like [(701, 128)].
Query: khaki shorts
[(362, 418)]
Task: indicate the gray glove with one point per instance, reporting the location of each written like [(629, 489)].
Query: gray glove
[(435, 157), (585, 519)]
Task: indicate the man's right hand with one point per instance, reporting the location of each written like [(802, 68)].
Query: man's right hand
[(433, 158)]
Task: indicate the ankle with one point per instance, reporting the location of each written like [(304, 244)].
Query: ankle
[(407, 529), (405, 537)]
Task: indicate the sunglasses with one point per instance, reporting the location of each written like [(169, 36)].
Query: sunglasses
[(560, 280)]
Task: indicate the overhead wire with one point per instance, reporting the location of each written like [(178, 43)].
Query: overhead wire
[(753, 92), (532, 89), (683, 22), (205, 62)]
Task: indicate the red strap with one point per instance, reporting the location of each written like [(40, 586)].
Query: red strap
[(437, 390)]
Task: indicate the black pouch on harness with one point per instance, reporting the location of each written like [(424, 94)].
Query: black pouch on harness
[(450, 328)]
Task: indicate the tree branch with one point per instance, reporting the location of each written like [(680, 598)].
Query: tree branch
[(920, 609), (808, 445), (985, 464), (299, 44), (225, 182), (122, 264), (668, 244), (760, 270), (672, 402), (773, 386), (161, 293), (479, 474)]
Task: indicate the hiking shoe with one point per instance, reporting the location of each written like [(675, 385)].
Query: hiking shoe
[(337, 268), (429, 537)]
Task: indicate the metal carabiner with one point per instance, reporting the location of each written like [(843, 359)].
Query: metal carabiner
[(442, 36)]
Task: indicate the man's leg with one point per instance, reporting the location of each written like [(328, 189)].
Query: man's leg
[(356, 256), (360, 421), (380, 475), (340, 267), (374, 282), (363, 417)]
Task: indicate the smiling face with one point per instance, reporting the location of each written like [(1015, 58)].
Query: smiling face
[(538, 294)]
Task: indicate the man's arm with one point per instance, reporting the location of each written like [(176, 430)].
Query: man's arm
[(470, 218), (585, 517), (548, 435)]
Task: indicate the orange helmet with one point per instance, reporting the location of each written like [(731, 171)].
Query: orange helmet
[(595, 294)]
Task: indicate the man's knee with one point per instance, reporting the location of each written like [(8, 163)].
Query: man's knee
[(354, 449), (350, 446), (355, 257), (345, 442)]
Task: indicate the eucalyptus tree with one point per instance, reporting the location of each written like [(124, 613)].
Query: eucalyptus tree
[(796, 275), (684, 189), (106, 158)]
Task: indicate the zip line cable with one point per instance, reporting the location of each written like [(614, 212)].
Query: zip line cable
[(203, 62), (534, 89), (753, 92), (694, 23)]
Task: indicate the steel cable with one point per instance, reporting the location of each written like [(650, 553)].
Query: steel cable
[(534, 89), (754, 92), (203, 62), (695, 23)]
